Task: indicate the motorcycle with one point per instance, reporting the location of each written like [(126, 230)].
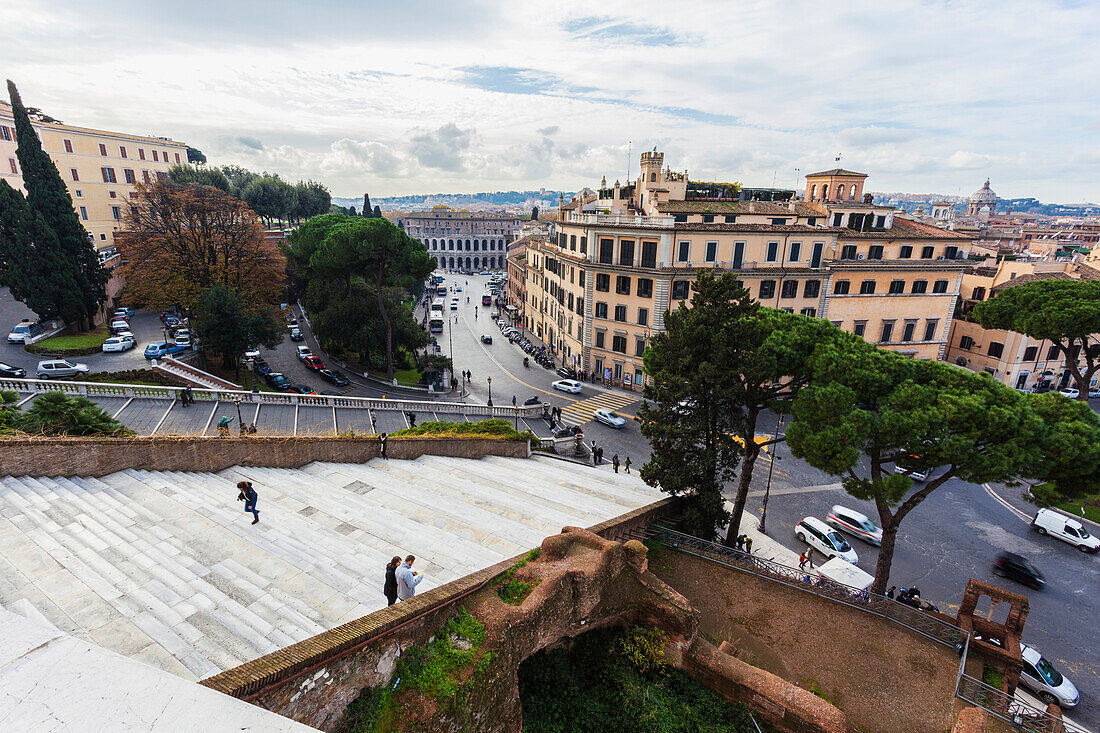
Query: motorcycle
[(526, 362)]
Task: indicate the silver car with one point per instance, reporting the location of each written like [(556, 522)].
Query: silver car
[(60, 368), (1041, 677)]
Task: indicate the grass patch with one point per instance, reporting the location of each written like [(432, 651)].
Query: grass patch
[(494, 428), (811, 684), (408, 377), (142, 377), (992, 677), (513, 591), (85, 340), (1044, 495)]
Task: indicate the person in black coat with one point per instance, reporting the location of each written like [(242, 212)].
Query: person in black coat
[(390, 588)]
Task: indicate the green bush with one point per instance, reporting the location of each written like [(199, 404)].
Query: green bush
[(495, 427), (57, 413)]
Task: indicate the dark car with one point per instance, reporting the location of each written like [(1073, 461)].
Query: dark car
[(7, 370), (261, 367), (302, 389), (567, 373), (296, 334), (275, 380), (486, 339), (335, 377), (1015, 567)]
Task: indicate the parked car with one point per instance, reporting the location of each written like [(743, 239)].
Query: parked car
[(1070, 392), (335, 377), (1067, 529), (119, 343), (820, 536), (60, 368), (454, 305), (566, 373), (7, 370), (1094, 392), (568, 385), (252, 353), (919, 475), (276, 380), (313, 362), (24, 331), (1050, 685), (161, 349), (609, 418), (855, 523), (296, 335), (261, 367), (303, 352), (302, 389), (486, 339), (183, 338), (1018, 568), (292, 323), (458, 288)]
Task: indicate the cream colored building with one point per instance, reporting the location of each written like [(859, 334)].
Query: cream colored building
[(99, 168), (598, 290)]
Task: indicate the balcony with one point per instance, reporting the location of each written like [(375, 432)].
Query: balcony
[(624, 220)]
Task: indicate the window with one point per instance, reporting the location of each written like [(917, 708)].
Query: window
[(789, 289), (584, 244), (897, 286), (965, 342), (620, 313), (607, 249), (79, 193), (859, 328), (978, 294), (996, 348), (84, 213), (680, 218), (14, 164), (1052, 353), (626, 252), (874, 252), (738, 255), (116, 212), (731, 218), (712, 252), (848, 252), (951, 253), (5, 135), (927, 252), (679, 289), (601, 310), (1031, 353), (840, 287), (773, 252), (74, 174), (103, 150), (887, 332), (122, 150), (639, 347), (838, 219), (812, 289), (779, 222), (930, 329), (580, 306), (599, 340), (811, 221), (618, 343), (141, 153), (796, 250), (811, 312), (767, 289), (906, 251), (113, 194), (940, 286), (708, 218), (645, 287), (622, 285), (920, 286), (683, 252), (128, 174), (603, 282), (109, 175), (68, 146), (649, 254), (177, 158), (156, 157), (573, 242), (867, 287), (643, 316), (907, 332), (880, 222)]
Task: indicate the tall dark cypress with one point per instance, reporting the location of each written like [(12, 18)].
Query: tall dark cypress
[(368, 212), (47, 197)]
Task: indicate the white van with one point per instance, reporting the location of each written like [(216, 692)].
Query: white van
[(824, 539), (1067, 529)]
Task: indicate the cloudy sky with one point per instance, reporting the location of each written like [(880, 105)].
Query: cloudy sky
[(415, 97)]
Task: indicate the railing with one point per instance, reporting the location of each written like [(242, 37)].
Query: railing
[(103, 389), (1018, 713), (657, 222), (862, 599)]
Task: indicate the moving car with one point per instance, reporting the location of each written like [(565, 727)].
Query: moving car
[(313, 362), (7, 370), (609, 418), (25, 330), (277, 381), (824, 539), (333, 376), (1067, 529), (303, 352), (161, 349), (458, 288), (454, 305), (1016, 567), (855, 523), (296, 335), (566, 373), (568, 385), (119, 343), (60, 368), (1040, 676), (487, 339)]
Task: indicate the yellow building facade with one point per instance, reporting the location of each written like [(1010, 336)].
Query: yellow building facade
[(100, 168)]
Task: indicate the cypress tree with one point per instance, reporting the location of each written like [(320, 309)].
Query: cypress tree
[(377, 211), (76, 262), (367, 210)]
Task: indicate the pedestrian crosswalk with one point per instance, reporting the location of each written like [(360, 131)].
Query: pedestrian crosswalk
[(581, 412)]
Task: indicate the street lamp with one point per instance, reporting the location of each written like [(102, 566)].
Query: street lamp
[(237, 402), (490, 381), (771, 467)]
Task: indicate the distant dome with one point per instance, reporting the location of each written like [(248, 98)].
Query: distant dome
[(984, 195)]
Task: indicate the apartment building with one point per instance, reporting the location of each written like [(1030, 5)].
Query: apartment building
[(1012, 358), (598, 290), (100, 168), (463, 240)]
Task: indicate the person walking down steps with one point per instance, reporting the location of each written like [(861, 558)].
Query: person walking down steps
[(615, 462), (382, 439), (250, 498), (390, 588)]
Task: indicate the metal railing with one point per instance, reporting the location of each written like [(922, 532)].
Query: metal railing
[(1018, 713), (657, 222), (104, 389), (911, 618)]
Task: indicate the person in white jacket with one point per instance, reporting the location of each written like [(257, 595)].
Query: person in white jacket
[(407, 579)]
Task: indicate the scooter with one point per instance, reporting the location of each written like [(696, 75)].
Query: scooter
[(526, 362)]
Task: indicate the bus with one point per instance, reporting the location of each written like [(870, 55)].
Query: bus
[(441, 290), (435, 323), (437, 306), (486, 299)]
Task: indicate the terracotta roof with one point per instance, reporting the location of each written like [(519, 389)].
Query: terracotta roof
[(1030, 278), (1087, 272), (764, 208), (985, 271), (907, 229), (836, 172)]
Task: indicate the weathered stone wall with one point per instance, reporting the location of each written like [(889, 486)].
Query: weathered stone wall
[(100, 456)]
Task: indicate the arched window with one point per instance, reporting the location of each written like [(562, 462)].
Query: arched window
[(652, 177), (451, 244), (840, 192), (476, 243), (852, 196), (813, 192)]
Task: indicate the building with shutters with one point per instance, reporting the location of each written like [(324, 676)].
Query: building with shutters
[(463, 240), (100, 168)]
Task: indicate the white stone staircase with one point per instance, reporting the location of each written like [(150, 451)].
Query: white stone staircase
[(166, 567)]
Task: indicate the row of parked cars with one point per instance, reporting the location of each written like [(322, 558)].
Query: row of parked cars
[(279, 381)]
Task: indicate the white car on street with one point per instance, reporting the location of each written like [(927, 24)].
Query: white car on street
[(1070, 392), (609, 418), (820, 536), (1049, 684), (119, 343), (568, 385), (855, 523), (303, 352)]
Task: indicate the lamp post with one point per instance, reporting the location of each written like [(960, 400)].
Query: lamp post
[(451, 350), (771, 468), (237, 402), (490, 381)]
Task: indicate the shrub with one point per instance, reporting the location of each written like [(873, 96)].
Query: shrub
[(495, 427), (644, 649)]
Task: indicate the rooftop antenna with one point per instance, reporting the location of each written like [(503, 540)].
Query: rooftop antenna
[(628, 161), (837, 157)]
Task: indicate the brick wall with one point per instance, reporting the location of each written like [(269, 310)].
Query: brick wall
[(100, 456)]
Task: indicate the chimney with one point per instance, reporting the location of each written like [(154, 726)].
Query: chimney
[(752, 206), (792, 205)]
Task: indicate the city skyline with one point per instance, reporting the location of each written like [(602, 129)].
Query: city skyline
[(481, 97)]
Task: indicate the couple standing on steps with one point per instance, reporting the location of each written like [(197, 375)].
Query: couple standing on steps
[(401, 580)]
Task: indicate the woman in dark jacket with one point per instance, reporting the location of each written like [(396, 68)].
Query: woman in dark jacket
[(390, 588)]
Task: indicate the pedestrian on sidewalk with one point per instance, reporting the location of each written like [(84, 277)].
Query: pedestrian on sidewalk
[(250, 498), (382, 439), (890, 592), (185, 396), (373, 421), (802, 566), (626, 464), (739, 543), (513, 400), (810, 556), (407, 579), (748, 544), (390, 587), (615, 462), (599, 455), (593, 453)]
